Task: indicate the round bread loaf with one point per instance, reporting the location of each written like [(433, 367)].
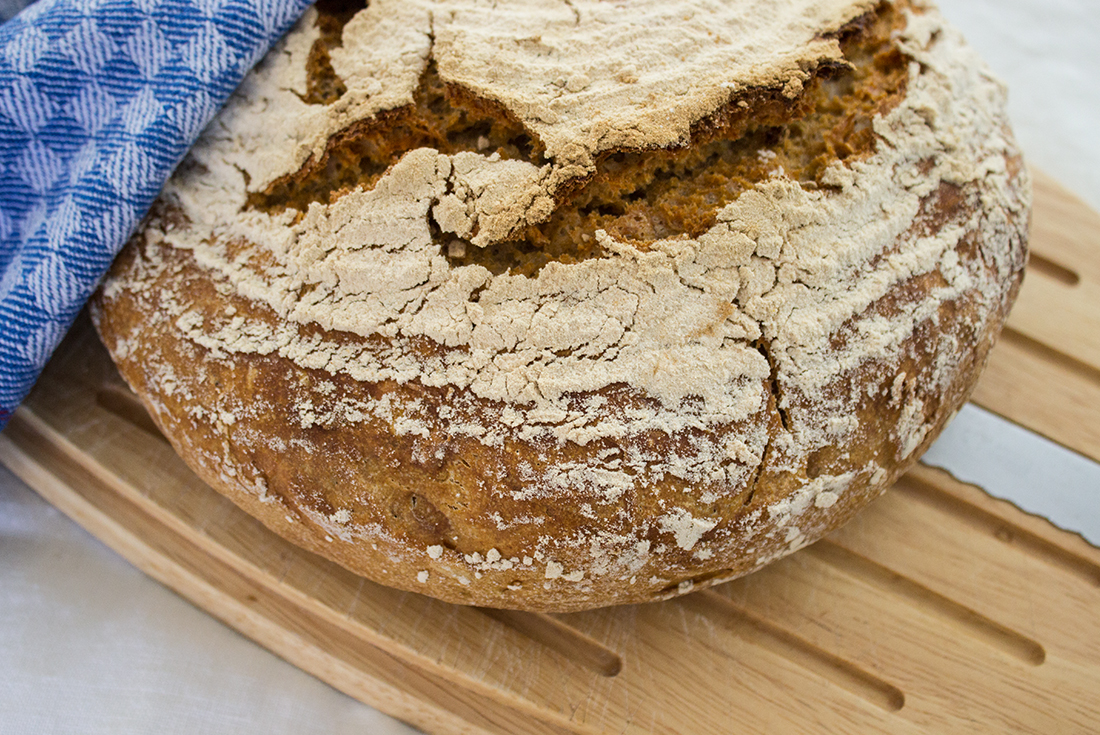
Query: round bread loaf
[(553, 305)]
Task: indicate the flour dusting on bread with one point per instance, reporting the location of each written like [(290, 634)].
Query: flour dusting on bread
[(618, 425)]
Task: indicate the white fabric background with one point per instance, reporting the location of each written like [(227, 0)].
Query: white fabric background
[(90, 645)]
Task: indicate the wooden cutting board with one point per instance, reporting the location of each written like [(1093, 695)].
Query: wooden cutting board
[(938, 610)]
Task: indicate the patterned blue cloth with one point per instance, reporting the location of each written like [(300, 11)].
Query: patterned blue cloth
[(99, 100)]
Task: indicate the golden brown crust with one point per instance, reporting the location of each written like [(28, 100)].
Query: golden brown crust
[(776, 408)]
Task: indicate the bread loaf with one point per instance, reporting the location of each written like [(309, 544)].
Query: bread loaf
[(553, 305)]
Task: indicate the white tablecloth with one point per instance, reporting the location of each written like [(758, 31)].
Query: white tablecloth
[(90, 645)]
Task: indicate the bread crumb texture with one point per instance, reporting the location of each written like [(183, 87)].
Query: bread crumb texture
[(552, 305)]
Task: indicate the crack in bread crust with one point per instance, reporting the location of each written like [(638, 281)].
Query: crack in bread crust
[(323, 86), (637, 196), (442, 117)]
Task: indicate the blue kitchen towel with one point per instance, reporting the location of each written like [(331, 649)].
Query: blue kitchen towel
[(99, 100)]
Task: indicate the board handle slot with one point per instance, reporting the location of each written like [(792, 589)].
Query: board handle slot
[(120, 401), (1052, 270), (1050, 354), (925, 491), (756, 631), (971, 622), (557, 636)]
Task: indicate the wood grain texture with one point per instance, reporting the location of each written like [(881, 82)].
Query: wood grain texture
[(938, 610)]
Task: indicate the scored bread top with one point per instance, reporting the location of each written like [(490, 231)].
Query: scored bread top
[(739, 351), (583, 77)]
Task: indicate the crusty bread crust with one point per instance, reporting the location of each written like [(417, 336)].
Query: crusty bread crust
[(463, 344)]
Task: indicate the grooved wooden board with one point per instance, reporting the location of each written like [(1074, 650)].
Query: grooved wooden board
[(938, 610)]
